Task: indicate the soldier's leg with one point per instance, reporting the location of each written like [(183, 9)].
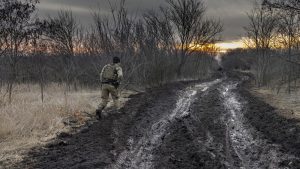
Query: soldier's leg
[(104, 97), (115, 96)]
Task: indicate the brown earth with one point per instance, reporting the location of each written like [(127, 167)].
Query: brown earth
[(189, 125)]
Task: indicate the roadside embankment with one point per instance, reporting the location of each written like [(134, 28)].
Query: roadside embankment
[(28, 122), (287, 104)]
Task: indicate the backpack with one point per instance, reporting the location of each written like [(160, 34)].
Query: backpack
[(109, 72)]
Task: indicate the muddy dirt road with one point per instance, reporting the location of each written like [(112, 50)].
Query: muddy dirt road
[(213, 124)]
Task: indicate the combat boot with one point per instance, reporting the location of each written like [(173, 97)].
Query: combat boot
[(98, 114)]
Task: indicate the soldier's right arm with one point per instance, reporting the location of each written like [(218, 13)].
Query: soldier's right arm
[(120, 73), (101, 74)]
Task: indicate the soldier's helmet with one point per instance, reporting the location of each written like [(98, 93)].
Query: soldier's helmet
[(116, 60)]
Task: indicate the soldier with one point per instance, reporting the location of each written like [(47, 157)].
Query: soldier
[(111, 76)]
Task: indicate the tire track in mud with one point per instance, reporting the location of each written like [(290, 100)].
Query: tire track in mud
[(252, 151), (140, 155), (217, 135), (196, 141), (203, 126)]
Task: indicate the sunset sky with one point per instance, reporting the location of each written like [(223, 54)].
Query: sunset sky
[(232, 13)]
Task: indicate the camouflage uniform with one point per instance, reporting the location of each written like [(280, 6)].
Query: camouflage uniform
[(110, 89)]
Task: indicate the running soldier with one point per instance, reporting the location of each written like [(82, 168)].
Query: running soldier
[(111, 76)]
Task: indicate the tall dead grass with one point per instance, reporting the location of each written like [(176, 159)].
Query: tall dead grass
[(288, 105), (28, 121)]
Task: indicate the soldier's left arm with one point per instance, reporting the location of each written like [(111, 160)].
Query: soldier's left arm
[(101, 73)]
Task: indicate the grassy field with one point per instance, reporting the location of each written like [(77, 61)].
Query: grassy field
[(28, 121), (287, 104)]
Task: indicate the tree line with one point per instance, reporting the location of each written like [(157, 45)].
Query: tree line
[(273, 41), (156, 48)]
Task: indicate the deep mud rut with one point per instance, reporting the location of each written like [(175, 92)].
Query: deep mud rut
[(214, 124)]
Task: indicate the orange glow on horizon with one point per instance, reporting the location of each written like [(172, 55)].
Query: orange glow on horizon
[(221, 47), (229, 45)]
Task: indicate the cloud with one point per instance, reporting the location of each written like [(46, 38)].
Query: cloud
[(231, 12), (54, 7), (82, 9)]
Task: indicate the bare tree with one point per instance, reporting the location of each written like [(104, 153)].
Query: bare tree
[(261, 32), (3, 47), (283, 4), (61, 31), (148, 46), (39, 65), (16, 27), (191, 27), (289, 38), (161, 30), (115, 36), (156, 41), (102, 36)]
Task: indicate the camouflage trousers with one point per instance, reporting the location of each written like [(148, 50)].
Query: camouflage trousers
[(107, 90)]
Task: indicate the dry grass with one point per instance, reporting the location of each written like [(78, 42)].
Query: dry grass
[(287, 104), (28, 121)]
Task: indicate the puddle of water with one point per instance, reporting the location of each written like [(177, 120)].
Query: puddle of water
[(140, 155)]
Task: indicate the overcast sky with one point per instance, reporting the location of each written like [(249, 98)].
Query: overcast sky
[(232, 13)]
